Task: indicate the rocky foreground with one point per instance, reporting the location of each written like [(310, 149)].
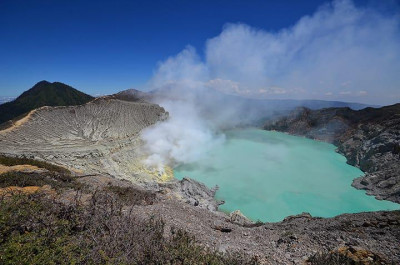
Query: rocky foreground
[(111, 229), (368, 138), (370, 238)]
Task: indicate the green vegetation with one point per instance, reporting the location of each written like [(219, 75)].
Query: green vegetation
[(42, 94), (36, 231)]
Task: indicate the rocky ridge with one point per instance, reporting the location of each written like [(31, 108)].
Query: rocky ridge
[(368, 138), (100, 137)]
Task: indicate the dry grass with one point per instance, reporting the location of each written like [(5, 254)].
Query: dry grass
[(38, 230)]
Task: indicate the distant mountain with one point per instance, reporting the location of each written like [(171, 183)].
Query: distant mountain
[(131, 95), (42, 94), (232, 110), (215, 97)]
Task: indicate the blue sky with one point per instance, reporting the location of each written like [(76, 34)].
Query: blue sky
[(102, 47)]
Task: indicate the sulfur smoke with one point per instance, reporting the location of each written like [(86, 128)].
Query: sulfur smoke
[(341, 52)]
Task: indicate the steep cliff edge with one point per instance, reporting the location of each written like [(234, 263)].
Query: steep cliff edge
[(368, 138)]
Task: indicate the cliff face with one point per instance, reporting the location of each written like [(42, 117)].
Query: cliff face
[(368, 138), (101, 136)]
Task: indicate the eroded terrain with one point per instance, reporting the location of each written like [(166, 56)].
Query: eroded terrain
[(101, 136)]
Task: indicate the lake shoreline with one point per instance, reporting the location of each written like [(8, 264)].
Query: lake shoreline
[(317, 203)]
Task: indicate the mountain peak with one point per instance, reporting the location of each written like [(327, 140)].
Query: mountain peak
[(43, 93), (42, 82)]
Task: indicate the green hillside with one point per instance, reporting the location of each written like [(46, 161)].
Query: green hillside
[(42, 94)]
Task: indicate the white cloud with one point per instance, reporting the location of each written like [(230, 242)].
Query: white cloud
[(362, 93), (345, 84), (185, 67), (339, 46), (275, 90)]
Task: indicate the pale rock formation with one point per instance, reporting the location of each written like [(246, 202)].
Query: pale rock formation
[(100, 137)]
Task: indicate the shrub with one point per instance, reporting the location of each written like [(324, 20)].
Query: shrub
[(38, 230)]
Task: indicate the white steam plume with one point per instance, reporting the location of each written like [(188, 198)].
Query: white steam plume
[(341, 52), (184, 137)]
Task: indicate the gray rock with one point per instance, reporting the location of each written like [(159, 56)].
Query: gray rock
[(198, 194), (238, 218)]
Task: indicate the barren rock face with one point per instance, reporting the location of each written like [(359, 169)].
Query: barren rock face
[(368, 138), (101, 136)]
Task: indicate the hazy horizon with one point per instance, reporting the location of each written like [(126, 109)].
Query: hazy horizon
[(4, 99)]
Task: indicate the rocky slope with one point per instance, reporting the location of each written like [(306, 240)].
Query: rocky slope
[(366, 235), (101, 136), (291, 241), (368, 138)]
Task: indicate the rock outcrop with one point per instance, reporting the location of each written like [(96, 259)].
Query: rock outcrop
[(368, 138), (237, 217), (291, 241), (193, 192)]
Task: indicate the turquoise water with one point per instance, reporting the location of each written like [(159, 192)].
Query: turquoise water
[(270, 175)]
